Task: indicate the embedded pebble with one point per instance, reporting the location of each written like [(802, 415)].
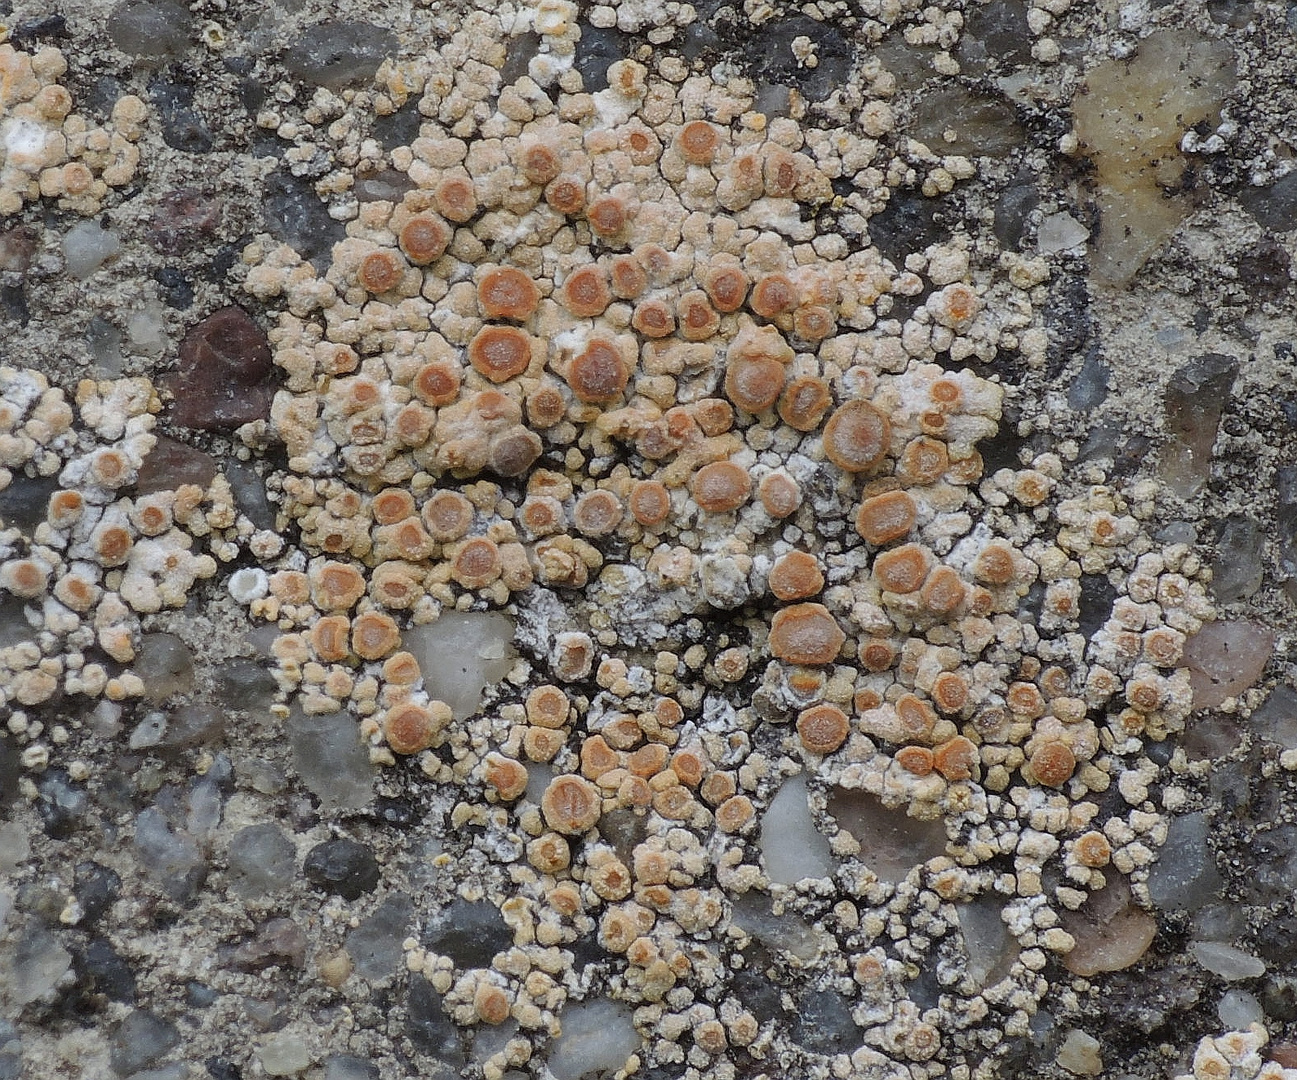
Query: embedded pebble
[(375, 945), (339, 54), (86, 247), (284, 1053), (140, 1040), (225, 377), (33, 967), (1080, 1054), (597, 1035), (1229, 963), (344, 867), (261, 860), (1238, 1010), (461, 654), (792, 848), (330, 759)]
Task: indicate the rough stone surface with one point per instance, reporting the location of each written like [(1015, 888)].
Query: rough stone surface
[(922, 207)]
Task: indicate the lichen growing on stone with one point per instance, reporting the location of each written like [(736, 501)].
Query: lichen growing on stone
[(47, 150), (638, 510)]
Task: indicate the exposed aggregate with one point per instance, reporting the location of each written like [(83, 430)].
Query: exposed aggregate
[(621, 364)]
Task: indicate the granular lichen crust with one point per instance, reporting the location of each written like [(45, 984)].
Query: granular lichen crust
[(598, 489)]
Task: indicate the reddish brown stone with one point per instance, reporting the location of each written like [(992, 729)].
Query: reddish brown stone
[(170, 464), (185, 218), (225, 375)]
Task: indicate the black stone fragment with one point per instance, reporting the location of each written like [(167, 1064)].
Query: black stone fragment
[(294, 214), (823, 1023), (469, 932), (220, 1069), (758, 994), (106, 972), (1129, 450), (199, 995), (198, 724), (1264, 269), (428, 1026), (598, 48), (183, 128), (663, 1072), (586, 950), (399, 128), (242, 683), (24, 503), (1090, 386), (174, 288), (104, 343), (385, 185), (769, 58), (995, 34), (9, 771), (909, 222), (1002, 450), (1159, 753), (252, 90), (17, 247), (519, 51), (1070, 322), (170, 663), (1274, 207), (395, 813), (1279, 998), (625, 831), (96, 888), (339, 54), (1013, 209), (43, 28), (1237, 568), (249, 490), (151, 31), (984, 124), (1097, 598), (343, 867), (924, 989), (13, 305), (1276, 938), (1232, 13), (226, 256)]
